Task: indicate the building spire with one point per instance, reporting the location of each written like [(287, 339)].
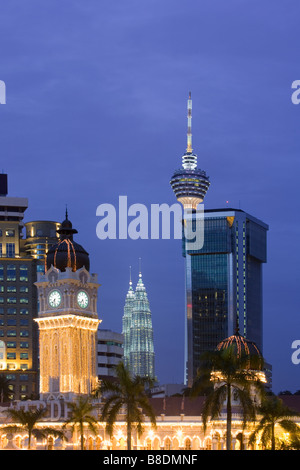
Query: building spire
[(189, 159), (189, 129)]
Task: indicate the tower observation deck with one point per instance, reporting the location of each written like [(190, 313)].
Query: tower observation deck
[(189, 183)]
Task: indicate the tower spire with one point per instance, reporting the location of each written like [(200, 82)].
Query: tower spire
[(189, 129), (189, 184)]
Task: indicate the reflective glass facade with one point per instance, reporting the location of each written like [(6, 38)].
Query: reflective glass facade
[(224, 283), (138, 332)]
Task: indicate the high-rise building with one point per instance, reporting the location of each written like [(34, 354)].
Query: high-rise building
[(18, 298), (126, 321), (224, 284), (224, 273), (138, 332)]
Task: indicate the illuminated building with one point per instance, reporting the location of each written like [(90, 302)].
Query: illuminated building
[(126, 322), (138, 332), (224, 283), (67, 320), (40, 236), (18, 299)]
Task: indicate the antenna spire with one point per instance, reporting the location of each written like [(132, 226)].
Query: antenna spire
[(140, 267), (189, 129)]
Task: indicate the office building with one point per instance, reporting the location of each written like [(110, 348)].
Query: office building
[(224, 283), (18, 298)]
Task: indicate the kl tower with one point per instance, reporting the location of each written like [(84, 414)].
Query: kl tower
[(189, 184)]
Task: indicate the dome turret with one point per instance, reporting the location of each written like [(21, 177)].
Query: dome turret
[(67, 253), (243, 349)]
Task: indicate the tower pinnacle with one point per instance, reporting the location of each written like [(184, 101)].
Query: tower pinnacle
[(189, 133), (189, 184)]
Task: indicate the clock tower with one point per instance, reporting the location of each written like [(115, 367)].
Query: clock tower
[(67, 320)]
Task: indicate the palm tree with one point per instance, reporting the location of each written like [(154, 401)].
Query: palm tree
[(27, 420), (127, 392), (221, 376), (81, 414), (273, 412), (4, 388)]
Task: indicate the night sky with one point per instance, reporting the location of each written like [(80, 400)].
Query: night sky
[(96, 108)]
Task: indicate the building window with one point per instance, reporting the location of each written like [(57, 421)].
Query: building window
[(11, 300), (11, 289), (11, 322), (24, 311), (11, 272), (23, 300), (1, 272), (24, 289), (23, 273), (11, 333), (11, 356), (11, 311), (10, 250), (24, 344), (9, 233), (24, 356), (24, 333)]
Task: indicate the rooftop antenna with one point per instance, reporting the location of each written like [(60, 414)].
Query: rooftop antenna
[(189, 129), (130, 281)]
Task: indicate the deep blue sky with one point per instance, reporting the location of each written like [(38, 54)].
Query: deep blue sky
[(96, 108)]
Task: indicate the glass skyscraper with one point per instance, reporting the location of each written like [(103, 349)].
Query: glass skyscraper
[(138, 332), (224, 284)]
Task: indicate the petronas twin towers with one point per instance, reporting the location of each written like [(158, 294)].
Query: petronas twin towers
[(138, 332)]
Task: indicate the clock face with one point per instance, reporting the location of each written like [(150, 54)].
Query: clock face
[(55, 298), (82, 299)]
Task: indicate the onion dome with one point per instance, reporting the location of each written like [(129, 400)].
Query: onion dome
[(244, 349), (67, 253)]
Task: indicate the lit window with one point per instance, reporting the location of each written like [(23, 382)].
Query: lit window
[(9, 233)]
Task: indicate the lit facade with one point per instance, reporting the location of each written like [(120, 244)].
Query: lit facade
[(138, 332), (67, 320), (179, 427)]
